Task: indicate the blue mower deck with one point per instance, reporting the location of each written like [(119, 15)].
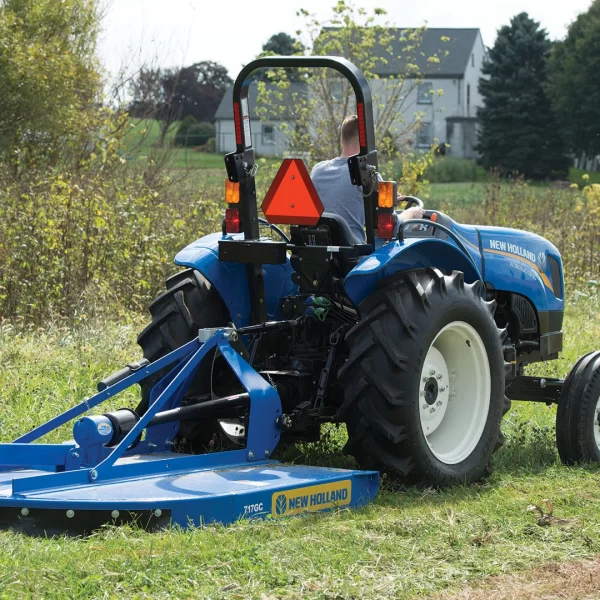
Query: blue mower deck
[(187, 498), (106, 477)]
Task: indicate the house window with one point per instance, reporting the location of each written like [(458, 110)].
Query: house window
[(425, 135), (468, 94), (268, 135), (424, 93), (473, 60)]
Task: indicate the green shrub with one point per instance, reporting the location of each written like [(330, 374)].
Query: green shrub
[(183, 131), (211, 145), (98, 233), (49, 80), (194, 134), (449, 169)]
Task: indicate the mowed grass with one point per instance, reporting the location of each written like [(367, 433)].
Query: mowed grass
[(407, 544)]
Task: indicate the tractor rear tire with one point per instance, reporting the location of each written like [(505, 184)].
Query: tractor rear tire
[(424, 381), (578, 414), (189, 304)]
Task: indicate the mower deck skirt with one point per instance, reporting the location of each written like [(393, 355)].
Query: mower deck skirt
[(185, 498)]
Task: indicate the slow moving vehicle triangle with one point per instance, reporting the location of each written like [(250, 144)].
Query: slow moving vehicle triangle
[(292, 198)]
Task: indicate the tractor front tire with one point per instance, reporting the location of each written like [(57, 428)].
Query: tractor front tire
[(189, 304), (578, 414), (424, 381)]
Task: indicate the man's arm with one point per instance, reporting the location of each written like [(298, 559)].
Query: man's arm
[(414, 212)]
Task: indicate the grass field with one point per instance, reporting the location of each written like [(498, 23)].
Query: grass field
[(141, 145), (408, 544)]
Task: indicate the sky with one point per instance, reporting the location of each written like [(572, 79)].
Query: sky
[(181, 32)]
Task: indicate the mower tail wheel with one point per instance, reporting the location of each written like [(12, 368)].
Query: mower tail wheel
[(424, 382), (578, 414)]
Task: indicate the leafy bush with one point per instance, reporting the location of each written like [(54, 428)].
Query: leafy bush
[(101, 233), (181, 136), (191, 133), (210, 146), (49, 79), (449, 169)]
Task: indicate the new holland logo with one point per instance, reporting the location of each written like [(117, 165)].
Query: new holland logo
[(312, 498), (280, 504), (507, 247), (542, 261)]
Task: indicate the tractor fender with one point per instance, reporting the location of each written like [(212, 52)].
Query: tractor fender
[(231, 281), (412, 253)]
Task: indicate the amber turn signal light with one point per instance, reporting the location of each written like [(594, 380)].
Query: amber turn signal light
[(232, 192), (387, 194)]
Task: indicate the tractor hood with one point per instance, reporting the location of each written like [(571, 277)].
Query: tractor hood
[(505, 259), (525, 263)]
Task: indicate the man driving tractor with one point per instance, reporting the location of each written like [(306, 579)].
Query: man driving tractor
[(335, 188)]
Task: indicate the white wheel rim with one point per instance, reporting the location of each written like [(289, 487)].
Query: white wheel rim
[(455, 382), (597, 423)]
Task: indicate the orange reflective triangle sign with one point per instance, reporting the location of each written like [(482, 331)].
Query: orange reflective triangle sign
[(292, 198)]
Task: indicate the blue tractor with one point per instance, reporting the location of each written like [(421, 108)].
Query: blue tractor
[(416, 339)]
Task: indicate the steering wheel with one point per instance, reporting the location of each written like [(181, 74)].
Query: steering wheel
[(282, 234), (410, 200)]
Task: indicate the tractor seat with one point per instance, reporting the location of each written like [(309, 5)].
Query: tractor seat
[(331, 230), (339, 229)]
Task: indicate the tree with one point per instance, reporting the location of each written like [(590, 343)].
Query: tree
[(575, 82), (169, 95), (312, 116), (519, 131), (49, 78), (282, 44), (153, 98), (197, 90)]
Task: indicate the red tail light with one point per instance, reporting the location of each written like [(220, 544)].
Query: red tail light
[(362, 132), (233, 223), (385, 226)]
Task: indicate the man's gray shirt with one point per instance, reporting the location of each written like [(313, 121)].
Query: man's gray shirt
[(332, 182)]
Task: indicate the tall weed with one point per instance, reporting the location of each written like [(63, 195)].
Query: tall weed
[(98, 234)]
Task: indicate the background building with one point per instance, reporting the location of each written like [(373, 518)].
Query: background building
[(446, 100)]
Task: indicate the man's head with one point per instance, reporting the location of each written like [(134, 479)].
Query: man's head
[(349, 136)]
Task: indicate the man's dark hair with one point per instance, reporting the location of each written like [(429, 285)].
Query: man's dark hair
[(349, 129)]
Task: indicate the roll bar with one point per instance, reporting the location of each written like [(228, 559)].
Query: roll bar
[(364, 103), (241, 163)]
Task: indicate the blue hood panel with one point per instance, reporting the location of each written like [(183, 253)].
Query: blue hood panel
[(506, 259)]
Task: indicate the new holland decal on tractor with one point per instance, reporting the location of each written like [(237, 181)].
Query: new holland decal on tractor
[(416, 339)]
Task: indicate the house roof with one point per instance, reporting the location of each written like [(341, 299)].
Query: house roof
[(452, 65), (225, 110)]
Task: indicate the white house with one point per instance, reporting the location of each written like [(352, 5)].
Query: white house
[(447, 98), (268, 138)]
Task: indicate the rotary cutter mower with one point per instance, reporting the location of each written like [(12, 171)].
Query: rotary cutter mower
[(108, 474)]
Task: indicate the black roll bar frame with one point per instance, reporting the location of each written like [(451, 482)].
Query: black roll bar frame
[(240, 164)]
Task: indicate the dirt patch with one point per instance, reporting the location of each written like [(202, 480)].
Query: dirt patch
[(554, 581)]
